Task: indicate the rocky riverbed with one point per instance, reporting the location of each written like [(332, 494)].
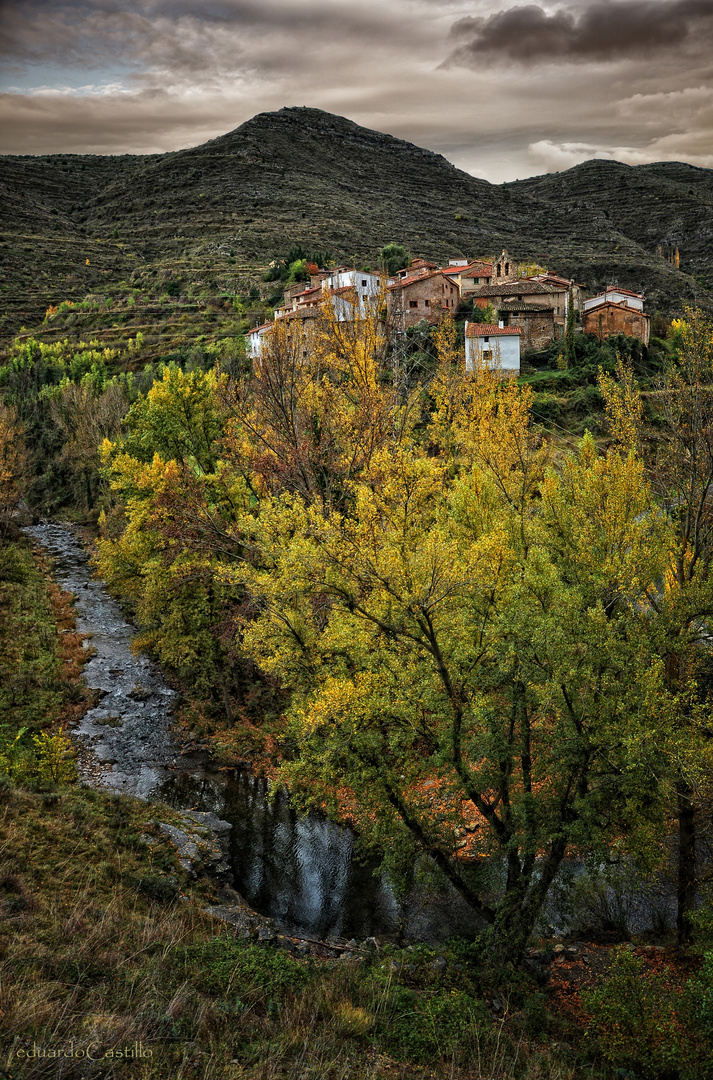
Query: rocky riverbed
[(128, 731)]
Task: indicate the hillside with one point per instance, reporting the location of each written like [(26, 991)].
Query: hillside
[(209, 219)]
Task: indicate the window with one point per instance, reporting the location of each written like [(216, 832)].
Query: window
[(364, 284), (427, 303), (486, 339), (413, 303)]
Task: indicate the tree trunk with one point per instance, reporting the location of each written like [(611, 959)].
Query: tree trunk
[(686, 893)]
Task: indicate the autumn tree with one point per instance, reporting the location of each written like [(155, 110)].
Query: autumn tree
[(315, 409), (679, 453), (181, 522), (484, 640)]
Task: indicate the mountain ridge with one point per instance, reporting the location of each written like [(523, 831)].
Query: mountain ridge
[(214, 215)]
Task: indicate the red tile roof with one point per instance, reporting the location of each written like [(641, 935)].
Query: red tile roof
[(405, 282), (488, 330)]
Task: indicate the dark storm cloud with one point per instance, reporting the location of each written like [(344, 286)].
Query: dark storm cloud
[(604, 30)]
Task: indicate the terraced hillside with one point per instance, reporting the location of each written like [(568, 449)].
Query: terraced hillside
[(666, 207), (199, 226)]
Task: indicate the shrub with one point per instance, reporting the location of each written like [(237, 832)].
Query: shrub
[(586, 400), (418, 1027), (55, 758), (161, 890), (546, 407), (642, 1024), (253, 973)]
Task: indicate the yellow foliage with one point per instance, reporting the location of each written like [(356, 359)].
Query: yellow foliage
[(623, 405), (55, 758)]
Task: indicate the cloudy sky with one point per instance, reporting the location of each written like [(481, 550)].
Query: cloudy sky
[(504, 90)]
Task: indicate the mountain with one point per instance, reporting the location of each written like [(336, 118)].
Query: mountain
[(209, 219)]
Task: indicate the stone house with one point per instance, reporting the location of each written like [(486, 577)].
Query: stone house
[(416, 266), (469, 275), (536, 323), (497, 346), (509, 298), (429, 295), (616, 311), (608, 318), (562, 283)]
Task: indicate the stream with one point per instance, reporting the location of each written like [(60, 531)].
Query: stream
[(301, 871)]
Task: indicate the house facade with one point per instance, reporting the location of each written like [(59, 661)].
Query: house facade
[(429, 296), (496, 346), (256, 339), (354, 293), (469, 275), (608, 318), (535, 321)]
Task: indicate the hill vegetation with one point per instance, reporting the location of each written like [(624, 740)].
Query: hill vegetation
[(163, 244)]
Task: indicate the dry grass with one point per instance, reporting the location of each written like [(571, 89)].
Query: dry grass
[(90, 963)]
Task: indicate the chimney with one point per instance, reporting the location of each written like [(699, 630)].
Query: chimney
[(501, 324)]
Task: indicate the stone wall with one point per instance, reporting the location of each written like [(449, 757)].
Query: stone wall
[(609, 318)]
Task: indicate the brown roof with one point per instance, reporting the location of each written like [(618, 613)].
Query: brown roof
[(510, 288), (620, 305), (522, 305), (488, 330), (484, 268)]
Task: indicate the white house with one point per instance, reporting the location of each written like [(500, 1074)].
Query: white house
[(496, 346), (353, 292), (256, 339), (614, 295)]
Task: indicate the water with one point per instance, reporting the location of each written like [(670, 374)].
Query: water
[(300, 870)]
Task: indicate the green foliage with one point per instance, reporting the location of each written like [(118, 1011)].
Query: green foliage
[(178, 419), (431, 1027), (15, 761), (546, 408), (292, 267), (231, 970), (160, 889), (569, 338), (31, 688), (394, 257)]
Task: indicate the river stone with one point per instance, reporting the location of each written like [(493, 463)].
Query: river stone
[(202, 845), (238, 917)]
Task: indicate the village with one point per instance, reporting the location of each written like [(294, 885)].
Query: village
[(527, 310)]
